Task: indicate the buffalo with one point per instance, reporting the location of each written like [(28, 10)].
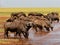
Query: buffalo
[(19, 26), (53, 16), (19, 23), (41, 22), (18, 14)]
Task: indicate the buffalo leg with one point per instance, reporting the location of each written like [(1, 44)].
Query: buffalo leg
[(57, 20), (6, 34), (47, 28), (40, 27), (35, 27), (26, 35), (52, 28), (18, 33)]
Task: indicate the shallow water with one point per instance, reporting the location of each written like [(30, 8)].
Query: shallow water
[(39, 38)]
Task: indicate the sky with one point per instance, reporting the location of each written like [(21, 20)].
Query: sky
[(29, 3)]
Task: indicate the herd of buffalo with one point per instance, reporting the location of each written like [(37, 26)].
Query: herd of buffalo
[(20, 23)]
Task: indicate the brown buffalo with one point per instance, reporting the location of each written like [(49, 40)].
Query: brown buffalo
[(19, 26), (53, 16), (41, 22)]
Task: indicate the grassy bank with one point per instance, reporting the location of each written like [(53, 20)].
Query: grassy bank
[(7, 11)]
